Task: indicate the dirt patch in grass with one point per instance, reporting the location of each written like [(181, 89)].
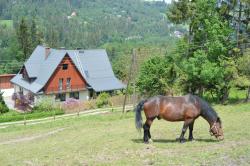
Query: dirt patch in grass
[(32, 137)]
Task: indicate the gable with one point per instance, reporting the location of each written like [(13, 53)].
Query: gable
[(76, 79)]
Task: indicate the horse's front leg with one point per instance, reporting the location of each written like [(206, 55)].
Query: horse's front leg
[(184, 129), (191, 126)]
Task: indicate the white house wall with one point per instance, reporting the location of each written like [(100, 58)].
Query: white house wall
[(17, 90), (83, 95)]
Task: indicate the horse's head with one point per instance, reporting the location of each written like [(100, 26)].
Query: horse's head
[(216, 129)]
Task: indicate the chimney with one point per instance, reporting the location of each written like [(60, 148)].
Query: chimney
[(47, 52)]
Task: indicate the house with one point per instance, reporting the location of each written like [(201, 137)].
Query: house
[(64, 74)]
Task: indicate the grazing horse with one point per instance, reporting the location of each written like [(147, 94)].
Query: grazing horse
[(184, 108)]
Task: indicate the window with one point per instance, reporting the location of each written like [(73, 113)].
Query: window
[(65, 66), (74, 95), (61, 96), (86, 73), (61, 84), (68, 83), (20, 90)]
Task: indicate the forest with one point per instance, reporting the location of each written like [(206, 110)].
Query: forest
[(77, 24)]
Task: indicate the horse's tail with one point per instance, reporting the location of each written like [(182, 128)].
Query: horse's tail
[(138, 117)]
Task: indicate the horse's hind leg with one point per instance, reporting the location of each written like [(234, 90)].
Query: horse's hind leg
[(146, 127), (191, 126)]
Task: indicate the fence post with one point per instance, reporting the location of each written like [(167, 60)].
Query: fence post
[(129, 78), (24, 118)]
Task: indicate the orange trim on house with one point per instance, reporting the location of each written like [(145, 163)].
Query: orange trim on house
[(77, 82)]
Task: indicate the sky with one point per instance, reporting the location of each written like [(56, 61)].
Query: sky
[(167, 1)]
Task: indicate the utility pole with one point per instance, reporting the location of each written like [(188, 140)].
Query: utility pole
[(132, 67)]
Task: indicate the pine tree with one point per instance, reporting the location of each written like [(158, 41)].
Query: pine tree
[(35, 35), (3, 107), (23, 36)]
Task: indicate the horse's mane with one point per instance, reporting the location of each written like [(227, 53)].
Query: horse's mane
[(207, 111)]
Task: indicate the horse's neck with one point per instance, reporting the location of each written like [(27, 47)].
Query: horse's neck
[(209, 118)]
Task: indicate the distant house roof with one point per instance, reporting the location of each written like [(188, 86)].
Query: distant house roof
[(94, 66)]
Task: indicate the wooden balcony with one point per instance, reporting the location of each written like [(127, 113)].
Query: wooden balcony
[(64, 89)]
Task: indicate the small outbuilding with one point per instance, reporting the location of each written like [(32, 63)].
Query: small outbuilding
[(5, 81)]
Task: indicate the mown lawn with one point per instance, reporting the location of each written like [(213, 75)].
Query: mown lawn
[(7, 23), (12, 115), (111, 140)]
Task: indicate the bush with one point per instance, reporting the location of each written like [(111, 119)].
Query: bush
[(71, 105), (90, 104), (23, 102), (103, 100), (45, 104), (3, 107)]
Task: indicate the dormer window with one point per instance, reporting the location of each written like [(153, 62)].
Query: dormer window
[(86, 73), (65, 66)]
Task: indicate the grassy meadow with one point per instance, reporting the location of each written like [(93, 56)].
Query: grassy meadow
[(111, 139)]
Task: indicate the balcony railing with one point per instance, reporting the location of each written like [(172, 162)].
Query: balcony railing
[(65, 88)]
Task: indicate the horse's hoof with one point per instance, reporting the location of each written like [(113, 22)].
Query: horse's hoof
[(182, 141), (150, 140), (146, 142), (191, 139)]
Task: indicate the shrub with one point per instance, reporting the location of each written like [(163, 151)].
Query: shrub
[(3, 107), (46, 104), (103, 100), (90, 104), (71, 105), (22, 102)]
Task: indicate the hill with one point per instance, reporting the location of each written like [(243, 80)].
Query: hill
[(89, 24)]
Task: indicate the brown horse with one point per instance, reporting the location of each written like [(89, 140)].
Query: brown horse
[(184, 108)]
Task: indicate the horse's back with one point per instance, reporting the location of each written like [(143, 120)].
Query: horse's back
[(171, 108)]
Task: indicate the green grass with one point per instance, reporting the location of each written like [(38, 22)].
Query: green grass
[(111, 140), (15, 116), (7, 23), (235, 96)]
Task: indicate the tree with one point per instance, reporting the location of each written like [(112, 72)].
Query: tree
[(156, 77), (206, 63), (3, 107), (23, 36), (237, 12), (243, 79), (53, 38), (35, 35)]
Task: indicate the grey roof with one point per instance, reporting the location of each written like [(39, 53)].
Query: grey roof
[(94, 66)]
